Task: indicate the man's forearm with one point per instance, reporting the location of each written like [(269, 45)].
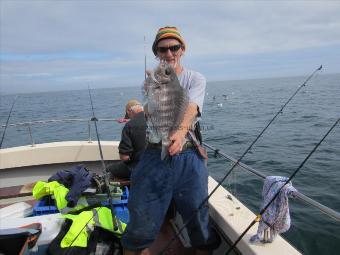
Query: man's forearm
[(189, 116), (178, 138)]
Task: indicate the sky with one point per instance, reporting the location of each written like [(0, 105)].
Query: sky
[(59, 45)]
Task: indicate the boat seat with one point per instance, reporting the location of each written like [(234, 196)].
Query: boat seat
[(16, 191)]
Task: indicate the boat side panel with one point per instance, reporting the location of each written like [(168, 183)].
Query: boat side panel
[(30, 174), (55, 153), (233, 222)]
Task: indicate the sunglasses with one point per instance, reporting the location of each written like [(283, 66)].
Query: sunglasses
[(173, 48)]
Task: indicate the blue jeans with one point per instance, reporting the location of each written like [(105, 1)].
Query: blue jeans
[(154, 183)]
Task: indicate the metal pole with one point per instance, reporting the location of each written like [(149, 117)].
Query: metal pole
[(30, 133), (89, 131)]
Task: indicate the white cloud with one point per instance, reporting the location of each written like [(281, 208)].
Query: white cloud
[(217, 33), (211, 27)]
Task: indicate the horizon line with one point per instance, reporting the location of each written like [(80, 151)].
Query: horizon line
[(134, 86)]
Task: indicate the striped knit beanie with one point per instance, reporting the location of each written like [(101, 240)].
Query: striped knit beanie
[(167, 33)]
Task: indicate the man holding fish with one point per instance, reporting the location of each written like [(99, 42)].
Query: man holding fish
[(172, 167)]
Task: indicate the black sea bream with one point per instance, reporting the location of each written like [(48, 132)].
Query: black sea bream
[(166, 104)]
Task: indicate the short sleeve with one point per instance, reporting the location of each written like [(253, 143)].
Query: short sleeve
[(197, 90)]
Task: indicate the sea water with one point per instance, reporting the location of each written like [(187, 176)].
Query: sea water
[(229, 123)]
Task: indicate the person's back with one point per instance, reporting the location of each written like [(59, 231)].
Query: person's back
[(133, 139), (132, 144)]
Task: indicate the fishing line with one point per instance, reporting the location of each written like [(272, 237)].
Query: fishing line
[(238, 161), (259, 216), (116, 223), (6, 125)]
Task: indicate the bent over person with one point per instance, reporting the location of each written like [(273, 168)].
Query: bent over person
[(132, 143), (183, 178)]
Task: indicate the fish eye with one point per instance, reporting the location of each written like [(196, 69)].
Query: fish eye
[(168, 71)]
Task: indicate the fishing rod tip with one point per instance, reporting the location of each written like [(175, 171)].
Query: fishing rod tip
[(320, 67)]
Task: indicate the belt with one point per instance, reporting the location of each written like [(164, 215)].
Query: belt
[(187, 145)]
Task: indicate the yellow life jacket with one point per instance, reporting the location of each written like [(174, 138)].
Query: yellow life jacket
[(84, 223), (59, 192)]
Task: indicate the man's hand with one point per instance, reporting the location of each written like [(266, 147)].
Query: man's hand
[(178, 140), (122, 120), (124, 157)]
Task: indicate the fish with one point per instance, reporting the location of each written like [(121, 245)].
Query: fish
[(166, 103)]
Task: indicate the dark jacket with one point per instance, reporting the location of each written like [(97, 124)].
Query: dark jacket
[(76, 180), (133, 140)]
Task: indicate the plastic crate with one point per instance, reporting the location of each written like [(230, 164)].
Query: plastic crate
[(125, 195), (46, 205), (122, 212), (120, 206)]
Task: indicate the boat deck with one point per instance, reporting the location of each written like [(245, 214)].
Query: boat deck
[(176, 248), (27, 164), (10, 195)]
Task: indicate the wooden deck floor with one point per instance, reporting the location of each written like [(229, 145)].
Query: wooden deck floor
[(166, 233)]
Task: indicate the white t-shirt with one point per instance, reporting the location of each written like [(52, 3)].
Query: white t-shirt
[(195, 83)]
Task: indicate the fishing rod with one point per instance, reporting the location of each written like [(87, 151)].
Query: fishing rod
[(259, 216), (238, 161), (6, 125), (116, 223), (144, 58), (324, 209)]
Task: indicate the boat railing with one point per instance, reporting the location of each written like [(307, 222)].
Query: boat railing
[(29, 125), (322, 208)]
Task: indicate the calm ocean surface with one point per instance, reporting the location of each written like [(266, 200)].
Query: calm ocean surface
[(231, 127)]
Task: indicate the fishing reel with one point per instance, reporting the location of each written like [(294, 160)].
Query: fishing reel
[(98, 182)]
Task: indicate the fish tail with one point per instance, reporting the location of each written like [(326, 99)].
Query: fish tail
[(165, 152), (165, 147)]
